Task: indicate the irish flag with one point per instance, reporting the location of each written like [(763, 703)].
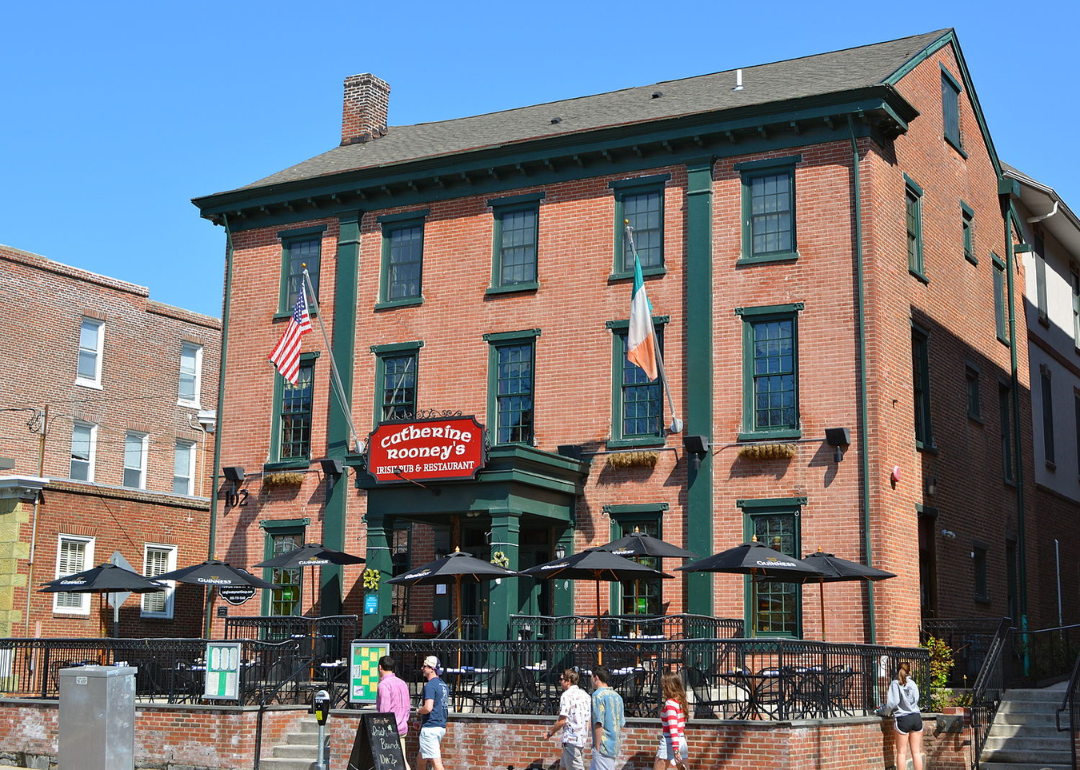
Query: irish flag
[(641, 339)]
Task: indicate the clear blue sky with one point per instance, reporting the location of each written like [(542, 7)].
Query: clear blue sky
[(116, 114)]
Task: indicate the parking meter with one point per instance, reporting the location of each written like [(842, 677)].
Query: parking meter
[(320, 706)]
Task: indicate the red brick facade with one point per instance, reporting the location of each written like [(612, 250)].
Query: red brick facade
[(138, 391)]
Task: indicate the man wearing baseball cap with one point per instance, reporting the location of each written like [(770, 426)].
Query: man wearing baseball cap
[(432, 714)]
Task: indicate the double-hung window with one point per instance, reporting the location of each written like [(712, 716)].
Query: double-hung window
[(1000, 327), (516, 237), (300, 248), (950, 109), (638, 409), (768, 209), (974, 398), (770, 372), (291, 440), (774, 522), (396, 375), (73, 554), (920, 376), (157, 560), (639, 201), (83, 450), (190, 374), (967, 224), (91, 344), (512, 384), (402, 258), (913, 216), (283, 536), (184, 468), (1047, 395), (135, 444)]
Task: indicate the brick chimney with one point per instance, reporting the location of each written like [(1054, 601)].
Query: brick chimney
[(367, 100)]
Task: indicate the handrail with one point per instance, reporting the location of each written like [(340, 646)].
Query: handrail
[(1071, 701), (989, 686)]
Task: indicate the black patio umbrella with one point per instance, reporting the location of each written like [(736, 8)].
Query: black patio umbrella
[(833, 569), (757, 560), (642, 544), (453, 569), (103, 579), (213, 573), (310, 555), (597, 565)]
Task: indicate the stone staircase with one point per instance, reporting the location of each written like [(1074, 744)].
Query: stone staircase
[(1024, 735), (300, 750)]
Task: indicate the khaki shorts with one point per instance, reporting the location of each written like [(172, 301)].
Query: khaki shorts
[(573, 757), (431, 742)]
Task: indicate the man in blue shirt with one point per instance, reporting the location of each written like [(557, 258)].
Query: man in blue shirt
[(608, 719), (432, 714)]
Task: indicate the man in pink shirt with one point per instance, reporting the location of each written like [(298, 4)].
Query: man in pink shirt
[(392, 696)]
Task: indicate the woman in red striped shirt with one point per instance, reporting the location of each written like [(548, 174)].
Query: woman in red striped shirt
[(672, 751)]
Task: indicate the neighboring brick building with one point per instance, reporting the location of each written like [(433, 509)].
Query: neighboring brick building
[(107, 399), (478, 266), (1052, 306)]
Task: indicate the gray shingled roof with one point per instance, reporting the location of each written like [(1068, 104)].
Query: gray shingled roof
[(818, 75)]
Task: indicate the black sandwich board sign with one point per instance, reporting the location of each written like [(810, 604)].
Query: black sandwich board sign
[(377, 745)]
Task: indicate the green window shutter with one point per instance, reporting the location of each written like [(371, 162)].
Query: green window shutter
[(999, 299), (1005, 419), (913, 208), (950, 108), (967, 223)]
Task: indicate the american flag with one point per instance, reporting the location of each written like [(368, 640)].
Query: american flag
[(286, 354)]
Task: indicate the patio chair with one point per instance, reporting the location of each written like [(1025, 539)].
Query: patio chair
[(705, 705), (535, 698), (496, 695)]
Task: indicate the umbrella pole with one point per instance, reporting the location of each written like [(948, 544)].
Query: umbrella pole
[(753, 604), (599, 633), (821, 598)]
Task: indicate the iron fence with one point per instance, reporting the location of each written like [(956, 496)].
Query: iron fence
[(968, 638), (1071, 704), (683, 626), (325, 638)]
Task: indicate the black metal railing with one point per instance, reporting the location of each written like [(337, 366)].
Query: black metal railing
[(388, 628), (1071, 704), (1047, 654), (993, 678), (470, 628), (683, 626), (327, 638), (968, 638)]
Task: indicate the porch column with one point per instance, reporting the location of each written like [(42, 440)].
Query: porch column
[(562, 591), (379, 537), (503, 599)]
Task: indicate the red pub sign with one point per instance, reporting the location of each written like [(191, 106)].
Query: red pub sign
[(436, 449)]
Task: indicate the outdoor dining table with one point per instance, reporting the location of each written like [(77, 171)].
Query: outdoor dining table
[(791, 693)]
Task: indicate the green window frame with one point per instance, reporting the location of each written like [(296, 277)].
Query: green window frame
[(396, 377), (920, 376), (1000, 328), (515, 248), (282, 536), (1039, 247), (1046, 383), (402, 274), (776, 523), (1005, 419), (973, 387), (512, 386), (299, 247), (950, 109), (637, 404), (967, 223), (768, 209), (638, 597), (640, 200), (290, 442), (770, 372), (913, 195)]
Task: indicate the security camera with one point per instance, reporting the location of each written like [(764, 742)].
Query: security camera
[(948, 534)]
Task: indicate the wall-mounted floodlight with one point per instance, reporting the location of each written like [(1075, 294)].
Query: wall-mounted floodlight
[(233, 473), (839, 438)]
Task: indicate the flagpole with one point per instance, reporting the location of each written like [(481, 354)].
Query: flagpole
[(676, 423), (335, 377)]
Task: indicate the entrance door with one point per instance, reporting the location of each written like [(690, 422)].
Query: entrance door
[(927, 567)]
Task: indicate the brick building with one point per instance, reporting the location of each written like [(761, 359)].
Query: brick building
[(823, 245), (107, 400)]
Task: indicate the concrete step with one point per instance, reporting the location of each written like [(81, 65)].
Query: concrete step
[(1026, 743), (1026, 707), (1044, 695), (1032, 730), (273, 763), (296, 751), (309, 726), (1018, 755), (304, 739), (1032, 719), (1023, 766)]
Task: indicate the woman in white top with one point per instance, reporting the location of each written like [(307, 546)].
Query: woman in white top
[(903, 704)]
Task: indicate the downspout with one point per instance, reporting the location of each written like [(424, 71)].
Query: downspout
[(220, 412), (864, 454), (1021, 540)]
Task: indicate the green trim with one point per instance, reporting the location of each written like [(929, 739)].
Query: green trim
[(645, 272), (700, 358), (755, 165), (770, 503), (395, 303), (792, 307), (967, 215), (922, 336), (402, 216), (1021, 540), (379, 538), (926, 510), (1023, 248), (274, 525), (633, 443), (394, 351), (754, 170), (496, 338), (294, 464), (967, 209), (514, 288), (391, 224), (952, 79), (618, 439), (752, 509), (275, 420), (762, 435), (297, 232), (651, 180), (623, 324), (916, 188), (916, 261), (397, 347), (517, 200), (631, 509), (920, 57)]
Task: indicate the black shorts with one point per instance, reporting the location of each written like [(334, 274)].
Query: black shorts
[(909, 723)]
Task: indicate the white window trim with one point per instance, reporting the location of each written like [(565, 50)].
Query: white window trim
[(96, 382), (167, 613), (88, 562), (194, 403), (183, 445), (93, 447), (144, 437)]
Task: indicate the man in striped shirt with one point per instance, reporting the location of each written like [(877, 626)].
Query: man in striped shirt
[(392, 696)]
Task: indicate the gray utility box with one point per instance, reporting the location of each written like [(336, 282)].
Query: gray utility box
[(97, 718)]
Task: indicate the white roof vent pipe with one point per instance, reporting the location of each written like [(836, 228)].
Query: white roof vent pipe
[(738, 81)]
